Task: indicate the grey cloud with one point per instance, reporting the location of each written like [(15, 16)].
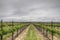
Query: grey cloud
[(20, 8)]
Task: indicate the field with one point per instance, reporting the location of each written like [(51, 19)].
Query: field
[(29, 31)]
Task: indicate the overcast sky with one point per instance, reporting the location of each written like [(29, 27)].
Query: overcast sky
[(30, 10)]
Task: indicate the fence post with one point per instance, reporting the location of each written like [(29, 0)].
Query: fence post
[(43, 29), (17, 32), (46, 33), (52, 30), (12, 32), (1, 30), (52, 35)]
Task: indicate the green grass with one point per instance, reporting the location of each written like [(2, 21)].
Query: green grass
[(31, 35)]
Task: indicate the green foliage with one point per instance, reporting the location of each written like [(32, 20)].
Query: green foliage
[(8, 28), (50, 28)]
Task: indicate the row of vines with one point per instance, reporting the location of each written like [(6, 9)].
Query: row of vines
[(49, 28), (11, 29)]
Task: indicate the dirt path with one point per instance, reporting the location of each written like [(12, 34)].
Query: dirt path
[(22, 35), (54, 37), (39, 35), (31, 35)]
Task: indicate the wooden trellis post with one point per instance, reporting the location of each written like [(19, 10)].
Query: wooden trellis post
[(1, 36), (52, 30), (12, 32)]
